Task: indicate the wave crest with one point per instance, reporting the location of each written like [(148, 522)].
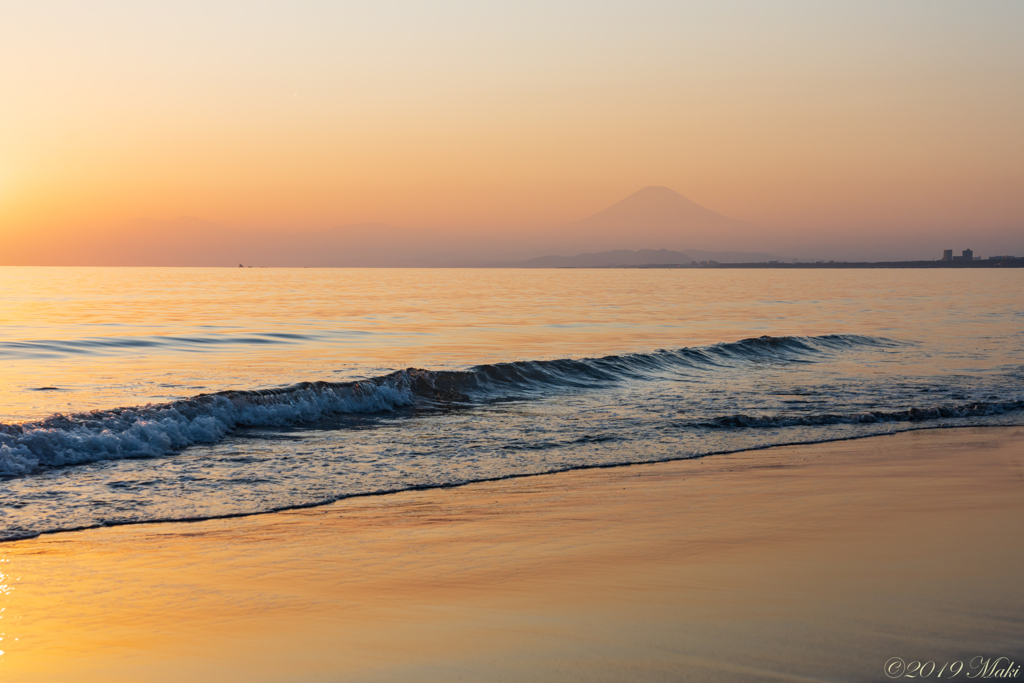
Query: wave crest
[(160, 429)]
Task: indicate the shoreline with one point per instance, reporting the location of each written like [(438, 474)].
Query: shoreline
[(805, 562), (438, 487)]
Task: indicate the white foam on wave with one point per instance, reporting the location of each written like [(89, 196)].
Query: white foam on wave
[(161, 429), (155, 430)]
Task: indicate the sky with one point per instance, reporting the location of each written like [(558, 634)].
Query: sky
[(824, 124)]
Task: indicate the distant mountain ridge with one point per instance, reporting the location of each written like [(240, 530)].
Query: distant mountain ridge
[(641, 257), (617, 257)]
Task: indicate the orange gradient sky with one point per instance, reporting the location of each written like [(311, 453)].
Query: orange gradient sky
[(805, 118)]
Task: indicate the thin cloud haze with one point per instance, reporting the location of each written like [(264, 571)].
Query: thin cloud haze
[(839, 130)]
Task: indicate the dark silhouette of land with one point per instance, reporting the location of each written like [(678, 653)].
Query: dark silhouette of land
[(994, 262), (985, 263), (641, 257), (663, 258)]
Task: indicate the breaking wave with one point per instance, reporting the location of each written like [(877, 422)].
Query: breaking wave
[(160, 429)]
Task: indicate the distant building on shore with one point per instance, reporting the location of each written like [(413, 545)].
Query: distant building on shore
[(967, 255), (947, 255)]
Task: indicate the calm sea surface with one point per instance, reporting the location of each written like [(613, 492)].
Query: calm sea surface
[(134, 394)]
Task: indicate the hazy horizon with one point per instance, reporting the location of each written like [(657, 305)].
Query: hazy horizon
[(651, 219), (843, 131)]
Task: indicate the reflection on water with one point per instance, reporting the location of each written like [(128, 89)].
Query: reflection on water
[(850, 353), (109, 337)]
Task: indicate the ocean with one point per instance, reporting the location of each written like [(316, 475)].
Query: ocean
[(131, 395)]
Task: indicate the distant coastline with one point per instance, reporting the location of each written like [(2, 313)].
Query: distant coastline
[(665, 258), (989, 263)]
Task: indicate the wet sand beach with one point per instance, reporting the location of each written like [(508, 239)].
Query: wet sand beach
[(804, 563)]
